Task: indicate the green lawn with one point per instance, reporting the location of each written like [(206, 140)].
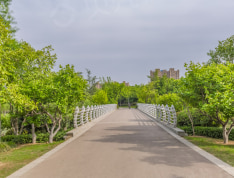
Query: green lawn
[(215, 147), (11, 161)]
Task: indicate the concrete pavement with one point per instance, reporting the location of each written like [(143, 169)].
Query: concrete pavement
[(126, 144)]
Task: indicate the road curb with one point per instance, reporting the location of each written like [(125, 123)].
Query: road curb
[(226, 167)]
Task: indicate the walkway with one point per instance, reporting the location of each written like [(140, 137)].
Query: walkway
[(126, 144)]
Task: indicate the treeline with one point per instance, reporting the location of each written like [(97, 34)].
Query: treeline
[(204, 97), (35, 99)]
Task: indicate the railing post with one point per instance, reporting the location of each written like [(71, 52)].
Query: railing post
[(82, 115), (160, 112), (174, 116), (75, 117), (152, 110), (87, 114), (155, 111), (97, 112), (163, 113), (168, 114), (91, 113), (94, 111), (102, 110)]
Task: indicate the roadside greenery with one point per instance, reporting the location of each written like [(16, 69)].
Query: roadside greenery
[(41, 138), (19, 157), (212, 132), (209, 88), (35, 99), (215, 147)]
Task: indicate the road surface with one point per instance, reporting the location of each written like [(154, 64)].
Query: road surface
[(126, 144)]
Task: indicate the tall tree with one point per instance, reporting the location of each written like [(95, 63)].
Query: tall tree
[(5, 14), (92, 82), (126, 93), (113, 89), (223, 53), (60, 93), (210, 88), (147, 93), (100, 97)]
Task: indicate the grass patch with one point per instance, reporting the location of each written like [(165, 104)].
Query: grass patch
[(14, 159), (4, 147), (225, 152)]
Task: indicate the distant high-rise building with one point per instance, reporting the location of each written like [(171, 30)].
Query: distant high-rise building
[(171, 73), (98, 85), (126, 84)]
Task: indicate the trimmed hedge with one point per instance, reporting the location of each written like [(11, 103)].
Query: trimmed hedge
[(44, 137), (41, 138), (18, 139), (213, 132)]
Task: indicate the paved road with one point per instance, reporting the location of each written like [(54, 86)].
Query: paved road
[(126, 144)]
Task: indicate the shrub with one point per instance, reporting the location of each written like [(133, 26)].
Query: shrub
[(44, 137), (198, 119), (18, 139), (213, 132), (41, 138), (59, 136)]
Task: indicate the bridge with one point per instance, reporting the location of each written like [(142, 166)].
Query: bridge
[(124, 143)]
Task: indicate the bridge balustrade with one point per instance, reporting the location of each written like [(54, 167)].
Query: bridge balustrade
[(84, 114), (163, 114)]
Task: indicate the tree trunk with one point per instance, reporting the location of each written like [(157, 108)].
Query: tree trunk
[(0, 122), (191, 119), (14, 124), (66, 123), (22, 126), (51, 136), (225, 135), (34, 136)]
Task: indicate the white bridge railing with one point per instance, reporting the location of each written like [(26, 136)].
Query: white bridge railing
[(164, 114), (87, 114)]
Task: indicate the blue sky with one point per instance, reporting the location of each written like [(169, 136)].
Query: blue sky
[(125, 39)]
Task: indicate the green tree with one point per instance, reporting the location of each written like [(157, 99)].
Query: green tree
[(100, 97), (61, 92), (5, 14), (171, 99), (147, 94), (31, 76), (113, 89), (164, 85), (12, 57), (92, 82), (223, 53), (210, 89), (126, 93)]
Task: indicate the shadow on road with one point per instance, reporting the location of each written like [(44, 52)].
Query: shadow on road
[(147, 137)]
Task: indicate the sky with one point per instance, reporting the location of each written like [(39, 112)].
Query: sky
[(125, 39)]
